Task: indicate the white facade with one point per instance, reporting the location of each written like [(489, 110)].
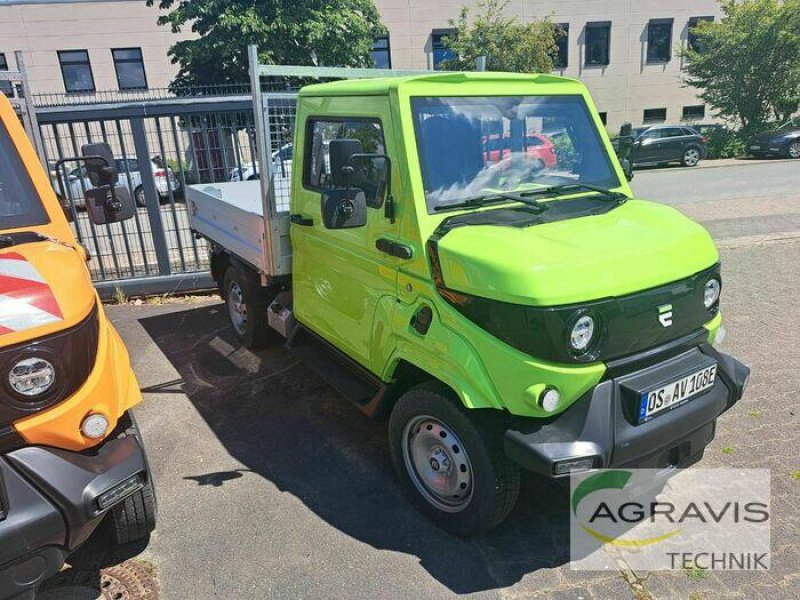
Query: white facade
[(623, 89)]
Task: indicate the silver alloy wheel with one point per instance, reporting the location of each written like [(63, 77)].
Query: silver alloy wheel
[(437, 464), (794, 150), (237, 308), (691, 157)]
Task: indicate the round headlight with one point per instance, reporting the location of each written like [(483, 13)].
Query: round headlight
[(711, 293), (32, 377), (582, 333)]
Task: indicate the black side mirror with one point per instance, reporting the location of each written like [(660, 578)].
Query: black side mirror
[(100, 165), (344, 208), (627, 168), (109, 204), (340, 151)]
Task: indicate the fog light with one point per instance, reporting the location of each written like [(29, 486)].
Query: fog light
[(711, 292), (119, 491), (94, 426), (550, 399), (573, 465)]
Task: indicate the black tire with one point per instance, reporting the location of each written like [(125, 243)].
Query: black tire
[(134, 518), (691, 156), (253, 330), (494, 480), (139, 197)]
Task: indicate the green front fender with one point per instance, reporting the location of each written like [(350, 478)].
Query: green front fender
[(483, 371)]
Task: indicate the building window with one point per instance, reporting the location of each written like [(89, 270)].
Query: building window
[(76, 70), (129, 65), (659, 40), (694, 113), (441, 52), (598, 43), (654, 115), (561, 58), (381, 53), (692, 41), (5, 86), (604, 118)]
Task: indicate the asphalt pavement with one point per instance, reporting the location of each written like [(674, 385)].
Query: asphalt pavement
[(272, 486)]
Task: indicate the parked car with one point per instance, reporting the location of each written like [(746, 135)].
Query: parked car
[(537, 146), (663, 144), (78, 181), (281, 161), (783, 141)]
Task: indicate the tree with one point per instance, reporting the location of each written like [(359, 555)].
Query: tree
[(507, 44), (300, 32), (747, 65)]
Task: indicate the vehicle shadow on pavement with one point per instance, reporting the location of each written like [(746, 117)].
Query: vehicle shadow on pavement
[(291, 428)]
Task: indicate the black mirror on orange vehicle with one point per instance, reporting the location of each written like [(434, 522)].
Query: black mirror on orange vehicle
[(109, 204), (100, 166)]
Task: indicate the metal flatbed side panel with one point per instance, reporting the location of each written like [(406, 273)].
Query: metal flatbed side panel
[(231, 214)]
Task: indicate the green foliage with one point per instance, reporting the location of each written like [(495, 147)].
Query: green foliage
[(747, 65), (566, 155), (507, 44), (725, 143), (300, 32)]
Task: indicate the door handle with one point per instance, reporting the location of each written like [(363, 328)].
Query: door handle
[(301, 220), (394, 248)]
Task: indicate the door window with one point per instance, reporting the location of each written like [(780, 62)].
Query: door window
[(365, 136)]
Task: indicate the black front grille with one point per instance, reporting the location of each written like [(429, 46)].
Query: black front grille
[(72, 352), (624, 326)]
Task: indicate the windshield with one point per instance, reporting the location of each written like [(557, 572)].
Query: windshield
[(19, 203), (469, 146)]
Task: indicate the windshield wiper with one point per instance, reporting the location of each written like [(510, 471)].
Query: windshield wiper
[(20, 237), (564, 188), (522, 197)]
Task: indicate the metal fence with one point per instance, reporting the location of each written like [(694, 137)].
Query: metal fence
[(160, 147)]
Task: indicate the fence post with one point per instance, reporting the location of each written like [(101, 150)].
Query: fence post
[(151, 195), (29, 110)]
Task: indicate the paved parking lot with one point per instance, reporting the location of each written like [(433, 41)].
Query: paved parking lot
[(272, 486)]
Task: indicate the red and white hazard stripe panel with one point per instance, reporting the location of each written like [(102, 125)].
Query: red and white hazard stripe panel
[(26, 300)]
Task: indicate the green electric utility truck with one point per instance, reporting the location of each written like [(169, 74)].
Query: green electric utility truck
[(462, 253)]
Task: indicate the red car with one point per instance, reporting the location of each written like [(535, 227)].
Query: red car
[(537, 146)]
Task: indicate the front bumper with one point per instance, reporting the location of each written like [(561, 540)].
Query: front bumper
[(601, 425), (49, 505)]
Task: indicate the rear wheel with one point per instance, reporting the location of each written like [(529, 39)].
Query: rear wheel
[(794, 150), (451, 462), (249, 319), (691, 157)]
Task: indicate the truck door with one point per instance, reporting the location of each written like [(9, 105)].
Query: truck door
[(339, 275)]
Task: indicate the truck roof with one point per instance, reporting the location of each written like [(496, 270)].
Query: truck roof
[(383, 85)]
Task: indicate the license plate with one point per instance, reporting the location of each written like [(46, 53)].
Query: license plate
[(676, 393), (755, 147)]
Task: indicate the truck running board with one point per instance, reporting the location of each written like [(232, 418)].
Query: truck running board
[(345, 375)]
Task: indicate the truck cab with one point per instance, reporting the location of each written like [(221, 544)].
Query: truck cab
[(70, 452), (505, 310)]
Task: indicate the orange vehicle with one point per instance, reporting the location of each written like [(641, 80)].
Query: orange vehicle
[(70, 452)]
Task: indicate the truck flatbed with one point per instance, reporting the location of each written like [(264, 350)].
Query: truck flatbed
[(231, 215)]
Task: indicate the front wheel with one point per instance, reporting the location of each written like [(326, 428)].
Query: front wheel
[(135, 517), (691, 157), (450, 462), (794, 150)]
